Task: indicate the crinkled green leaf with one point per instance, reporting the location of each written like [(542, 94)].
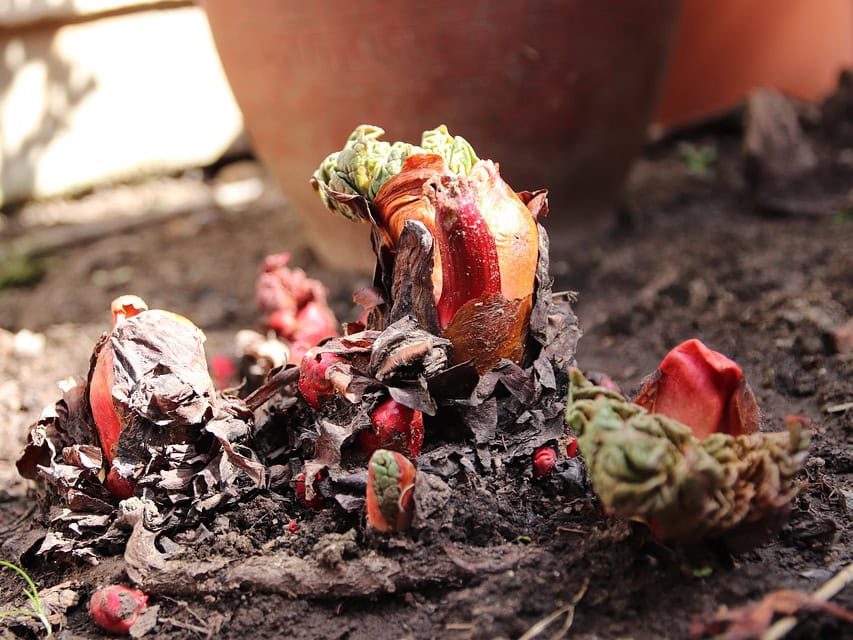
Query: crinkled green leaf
[(456, 150), (652, 468), (366, 163)]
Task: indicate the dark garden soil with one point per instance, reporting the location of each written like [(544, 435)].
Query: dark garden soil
[(761, 272)]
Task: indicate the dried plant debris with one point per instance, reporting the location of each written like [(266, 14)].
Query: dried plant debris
[(753, 621), (450, 373), (686, 485), (146, 421)]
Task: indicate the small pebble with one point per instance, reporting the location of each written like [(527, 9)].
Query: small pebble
[(28, 345)]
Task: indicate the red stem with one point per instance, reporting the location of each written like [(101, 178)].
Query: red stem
[(469, 257)]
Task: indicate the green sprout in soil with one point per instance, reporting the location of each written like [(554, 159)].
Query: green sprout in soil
[(32, 595), (843, 217), (18, 269), (698, 159)]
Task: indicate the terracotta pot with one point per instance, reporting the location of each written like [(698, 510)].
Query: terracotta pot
[(726, 48), (558, 92)]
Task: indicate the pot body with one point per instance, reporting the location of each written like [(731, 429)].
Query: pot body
[(726, 48), (558, 92)]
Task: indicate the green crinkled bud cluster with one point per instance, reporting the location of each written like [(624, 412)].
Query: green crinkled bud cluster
[(366, 162), (652, 468), (386, 483)]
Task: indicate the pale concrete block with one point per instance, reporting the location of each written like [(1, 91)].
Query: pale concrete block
[(21, 12), (110, 99)]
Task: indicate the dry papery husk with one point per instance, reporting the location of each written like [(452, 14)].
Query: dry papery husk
[(189, 464)]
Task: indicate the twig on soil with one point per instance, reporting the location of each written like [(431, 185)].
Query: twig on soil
[(829, 590), (188, 609), (571, 530), (839, 408), (186, 625), (566, 610)]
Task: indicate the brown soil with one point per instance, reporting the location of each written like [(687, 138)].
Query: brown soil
[(689, 256)]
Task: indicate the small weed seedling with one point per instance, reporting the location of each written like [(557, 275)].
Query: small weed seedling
[(32, 595)]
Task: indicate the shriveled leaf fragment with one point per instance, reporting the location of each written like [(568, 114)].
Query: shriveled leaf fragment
[(232, 428), (753, 620), (413, 290), (405, 352), (652, 468)]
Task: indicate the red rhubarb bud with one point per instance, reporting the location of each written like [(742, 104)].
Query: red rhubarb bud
[(120, 486), (116, 608), (313, 383), (544, 461), (489, 247), (395, 427), (703, 389), (390, 491), (571, 446), (104, 412), (294, 305), (315, 502), (314, 322)]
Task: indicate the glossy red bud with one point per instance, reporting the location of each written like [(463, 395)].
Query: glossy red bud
[(544, 461), (703, 389), (313, 383), (116, 608), (120, 486), (395, 427), (571, 446)]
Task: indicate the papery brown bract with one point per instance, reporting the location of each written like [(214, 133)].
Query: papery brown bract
[(703, 389), (150, 369)]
